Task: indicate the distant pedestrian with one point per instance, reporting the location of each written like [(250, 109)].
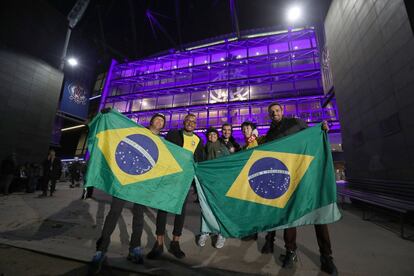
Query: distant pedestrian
[(75, 173), (8, 170), (52, 169)]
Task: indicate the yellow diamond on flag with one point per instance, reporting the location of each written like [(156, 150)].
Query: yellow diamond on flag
[(270, 178), (135, 154)]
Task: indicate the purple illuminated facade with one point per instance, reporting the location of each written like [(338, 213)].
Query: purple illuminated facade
[(231, 80)]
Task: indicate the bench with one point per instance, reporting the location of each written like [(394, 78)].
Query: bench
[(377, 193)]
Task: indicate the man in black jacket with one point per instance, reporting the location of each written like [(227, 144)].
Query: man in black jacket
[(187, 139), (227, 138), (281, 127), (52, 169)]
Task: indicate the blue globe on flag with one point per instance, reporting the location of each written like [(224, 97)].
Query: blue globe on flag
[(269, 178), (136, 154)]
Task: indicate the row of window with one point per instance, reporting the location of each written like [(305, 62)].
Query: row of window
[(240, 93), (310, 111), (210, 76), (216, 57)]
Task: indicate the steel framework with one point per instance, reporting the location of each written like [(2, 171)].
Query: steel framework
[(230, 80)]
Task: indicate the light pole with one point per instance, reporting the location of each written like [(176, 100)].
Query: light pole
[(73, 17)]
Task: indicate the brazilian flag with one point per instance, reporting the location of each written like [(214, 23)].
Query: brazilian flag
[(284, 183), (129, 162)]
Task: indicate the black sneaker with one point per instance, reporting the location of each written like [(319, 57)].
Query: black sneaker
[(176, 250), (136, 256), (156, 251), (97, 262), (328, 266), (267, 247), (288, 259)]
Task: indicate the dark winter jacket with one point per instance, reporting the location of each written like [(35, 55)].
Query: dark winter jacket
[(285, 127), (176, 136), (52, 170), (231, 143)]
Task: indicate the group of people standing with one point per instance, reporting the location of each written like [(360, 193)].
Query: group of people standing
[(215, 147), (30, 176)]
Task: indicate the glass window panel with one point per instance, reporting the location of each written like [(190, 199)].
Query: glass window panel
[(278, 47), (144, 119), (218, 75), (218, 95), (121, 106), (218, 57), (238, 54), (136, 105), (183, 62), (201, 118), (213, 118), (127, 73), (306, 84), (289, 108), (239, 93), (244, 114), (201, 60), (199, 97), (301, 44), (182, 79), (157, 66), (148, 103), (235, 117), (303, 63), (167, 82), (258, 51), (222, 117), (202, 76), (282, 87), (167, 65), (164, 101), (260, 91), (181, 99), (151, 68), (259, 69), (114, 91), (124, 89), (238, 71)]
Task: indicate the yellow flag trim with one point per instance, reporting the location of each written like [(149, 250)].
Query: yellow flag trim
[(108, 141)]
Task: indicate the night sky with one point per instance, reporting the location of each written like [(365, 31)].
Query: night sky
[(126, 32)]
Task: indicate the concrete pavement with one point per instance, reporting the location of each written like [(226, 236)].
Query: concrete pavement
[(64, 225)]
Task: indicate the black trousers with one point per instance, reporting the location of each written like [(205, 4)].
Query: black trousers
[(178, 221), (322, 235), (46, 184), (87, 192), (111, 220)]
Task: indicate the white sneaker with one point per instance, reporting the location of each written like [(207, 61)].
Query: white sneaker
[(202, 240), (220, 241)]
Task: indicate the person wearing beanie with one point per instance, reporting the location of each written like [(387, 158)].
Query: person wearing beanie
[(135, 254)]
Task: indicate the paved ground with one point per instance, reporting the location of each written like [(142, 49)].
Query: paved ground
[(64, 226), (17, 261)]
